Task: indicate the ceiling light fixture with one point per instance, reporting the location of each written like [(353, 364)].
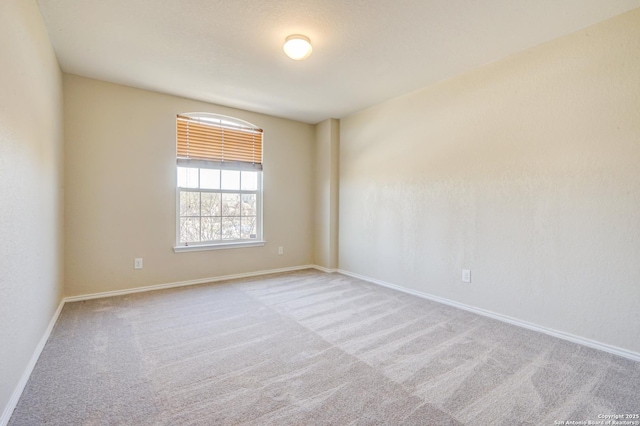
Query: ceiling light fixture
[(297, 47)]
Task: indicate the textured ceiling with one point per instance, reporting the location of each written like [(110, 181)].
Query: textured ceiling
[(364, 51)]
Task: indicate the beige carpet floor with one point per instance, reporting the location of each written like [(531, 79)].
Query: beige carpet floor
[(309, 348)]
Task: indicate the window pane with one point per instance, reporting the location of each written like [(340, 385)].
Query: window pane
[(230, 228), (187, 177), (248, 229), (231, 179), (248, 204), (249, 181), (210, 204), (210, 228), (189, 229), (230, 204), (209, 178), (189, 203)]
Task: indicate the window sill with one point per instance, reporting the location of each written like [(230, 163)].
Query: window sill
[(223, 246)]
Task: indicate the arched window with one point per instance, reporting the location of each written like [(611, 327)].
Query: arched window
[(219, 185)]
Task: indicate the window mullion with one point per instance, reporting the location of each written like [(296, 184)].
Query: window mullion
[(240, 193), (200, 208)]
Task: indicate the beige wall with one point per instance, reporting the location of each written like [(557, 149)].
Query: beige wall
[(31, 190), (526, 171), (120, 191), (326, 193)]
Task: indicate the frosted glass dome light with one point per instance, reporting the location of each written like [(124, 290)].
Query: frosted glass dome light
[(297, 47)]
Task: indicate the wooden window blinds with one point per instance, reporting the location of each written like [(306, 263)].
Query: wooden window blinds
[(208, 143)]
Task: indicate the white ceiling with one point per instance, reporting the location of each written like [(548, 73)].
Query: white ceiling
[(364, 51)]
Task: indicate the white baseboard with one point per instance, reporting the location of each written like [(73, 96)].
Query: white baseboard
[(15, 397), (182, 283), (634, 356), (323, 269)]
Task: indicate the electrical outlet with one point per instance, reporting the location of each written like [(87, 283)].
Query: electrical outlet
[(137, 263), (466, 276), (280, 250)]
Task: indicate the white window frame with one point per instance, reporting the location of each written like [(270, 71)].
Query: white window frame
[(222, 243)]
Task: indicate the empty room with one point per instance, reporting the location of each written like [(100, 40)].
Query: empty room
[(319, 212)]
